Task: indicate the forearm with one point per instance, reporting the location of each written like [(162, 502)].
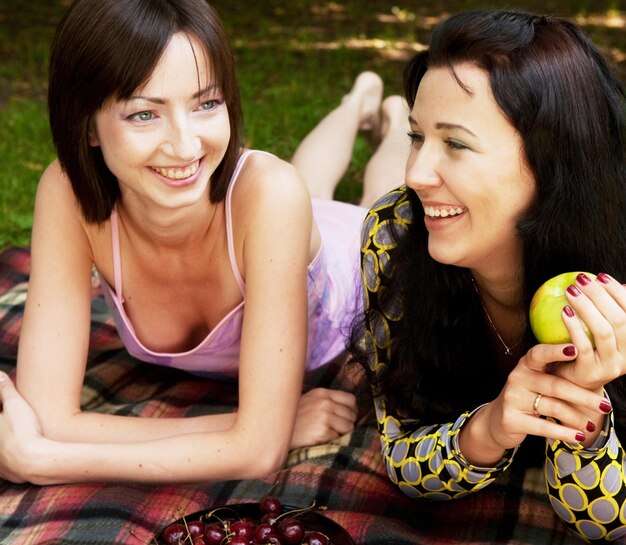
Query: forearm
[(193, 457), (90, 427), (586, 485), (411, 452), (474, 440)]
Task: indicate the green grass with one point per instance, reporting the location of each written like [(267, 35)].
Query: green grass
[(294, 60)]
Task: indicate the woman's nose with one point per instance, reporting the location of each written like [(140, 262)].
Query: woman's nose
[(183, 142), (421, 171)]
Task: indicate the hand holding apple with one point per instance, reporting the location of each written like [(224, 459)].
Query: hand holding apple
[(546, 307)]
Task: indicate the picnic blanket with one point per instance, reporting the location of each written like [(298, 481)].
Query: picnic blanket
[(347, 476)]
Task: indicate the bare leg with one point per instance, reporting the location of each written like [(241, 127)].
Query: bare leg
[(385, 169), (324, 155)]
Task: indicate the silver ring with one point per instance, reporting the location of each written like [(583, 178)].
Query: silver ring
[(536, 404)]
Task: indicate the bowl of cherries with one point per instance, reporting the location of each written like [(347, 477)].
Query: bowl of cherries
[(267, 522)]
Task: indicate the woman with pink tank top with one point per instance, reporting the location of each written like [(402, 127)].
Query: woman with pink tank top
[(212, 259)]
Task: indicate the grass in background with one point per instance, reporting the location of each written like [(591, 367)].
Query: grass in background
[(295, 60)]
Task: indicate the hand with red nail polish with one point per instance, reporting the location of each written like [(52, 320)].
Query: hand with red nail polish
[(532, 392), (595, 319), (548, 303)]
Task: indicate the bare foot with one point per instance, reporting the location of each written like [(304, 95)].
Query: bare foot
[(395, 111), (368, 91)]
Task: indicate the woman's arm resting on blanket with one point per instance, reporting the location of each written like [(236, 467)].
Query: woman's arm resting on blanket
[(26, 455), (426, 462), (53, 349), (55, 334)]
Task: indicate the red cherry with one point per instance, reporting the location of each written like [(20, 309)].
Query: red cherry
[(242, 528), (261, 532), (199, 541), (315, 538), (195, 528), (270, 518), (214, 534), (239, 540), (270, 504), (291, 530), (273, 539), (174, 534)]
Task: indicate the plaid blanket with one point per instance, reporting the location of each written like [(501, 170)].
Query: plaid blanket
[(347, 475)]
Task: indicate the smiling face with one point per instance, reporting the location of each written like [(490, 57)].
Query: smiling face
[(467, 167), (164, 143)]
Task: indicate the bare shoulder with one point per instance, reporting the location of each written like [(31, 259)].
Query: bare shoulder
[(271, 206), (54, 189), (265, 180), (57, 215)]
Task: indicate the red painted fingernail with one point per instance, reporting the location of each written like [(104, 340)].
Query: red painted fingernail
[(604, 278), (573, 291), (591, 427), (580, 437), (569, 351), (605, 406), (583, 279), (568, 311)]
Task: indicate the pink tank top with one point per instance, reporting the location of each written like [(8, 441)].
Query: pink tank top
[(333, 296)]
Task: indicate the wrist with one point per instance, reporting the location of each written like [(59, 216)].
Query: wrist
[(476, 443), (40, 461)]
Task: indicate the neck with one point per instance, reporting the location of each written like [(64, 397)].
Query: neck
[(505, 315), (173, 229), (503, 291)]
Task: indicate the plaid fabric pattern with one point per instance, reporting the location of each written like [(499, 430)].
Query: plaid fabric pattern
[(348, 476)]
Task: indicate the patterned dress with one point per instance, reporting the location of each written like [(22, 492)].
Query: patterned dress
[(585, 485)]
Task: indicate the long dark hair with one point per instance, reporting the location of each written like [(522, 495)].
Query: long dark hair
[(106, 49), (558, 92)]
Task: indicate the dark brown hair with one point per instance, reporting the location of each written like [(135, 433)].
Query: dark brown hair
[(562, 97), (105, 50)]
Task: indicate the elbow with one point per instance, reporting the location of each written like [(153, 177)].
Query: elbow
[(59, 425), (53, 428), (266, 461)]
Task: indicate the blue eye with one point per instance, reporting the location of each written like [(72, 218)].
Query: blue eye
[(209, 105)]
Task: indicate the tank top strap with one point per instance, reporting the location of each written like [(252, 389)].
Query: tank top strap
[(117, 262), (229, 217)]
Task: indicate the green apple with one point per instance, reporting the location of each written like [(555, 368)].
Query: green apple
[(546, 307)]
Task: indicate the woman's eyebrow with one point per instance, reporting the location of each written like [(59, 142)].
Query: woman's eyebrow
[(444, 125), (158, 100), (208, 89), (451, 126)]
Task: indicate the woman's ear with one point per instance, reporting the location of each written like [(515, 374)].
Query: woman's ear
[(94, 142)]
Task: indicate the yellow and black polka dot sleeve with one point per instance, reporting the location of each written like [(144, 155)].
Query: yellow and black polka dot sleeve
[(587, 487), (424, 461)]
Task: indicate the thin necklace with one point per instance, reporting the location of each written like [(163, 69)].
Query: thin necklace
[(508, 350)]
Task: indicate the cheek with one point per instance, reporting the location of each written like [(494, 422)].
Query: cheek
[(516, 187), (225, 128)]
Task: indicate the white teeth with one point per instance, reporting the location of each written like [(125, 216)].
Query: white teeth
[(176, 173), (433, 212)]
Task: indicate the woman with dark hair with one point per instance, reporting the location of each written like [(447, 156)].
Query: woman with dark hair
[(212, 258), (516, 174)]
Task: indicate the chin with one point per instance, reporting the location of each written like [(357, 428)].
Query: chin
[(442, 255)]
